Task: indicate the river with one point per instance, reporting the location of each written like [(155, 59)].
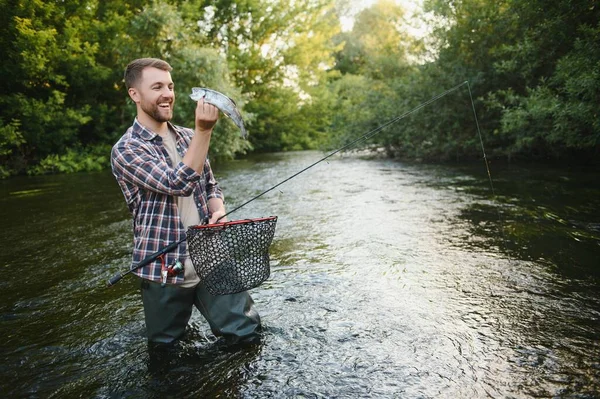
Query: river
[(387, 280)]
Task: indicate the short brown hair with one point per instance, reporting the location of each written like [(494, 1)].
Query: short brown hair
[(133, 72)]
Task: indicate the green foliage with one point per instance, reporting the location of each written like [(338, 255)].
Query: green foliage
[(52, 56), (533, 67), (278, 52), (67, 60), (11, 137), (88, 160), (11, 140), (351, 105), (299, 81), (376, 46), (374, 68)]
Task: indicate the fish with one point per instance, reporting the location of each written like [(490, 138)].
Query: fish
[(225, 104)]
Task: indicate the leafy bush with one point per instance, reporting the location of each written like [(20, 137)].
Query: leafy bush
[(88, 160)]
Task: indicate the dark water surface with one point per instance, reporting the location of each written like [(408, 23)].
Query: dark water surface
[(388, 280)]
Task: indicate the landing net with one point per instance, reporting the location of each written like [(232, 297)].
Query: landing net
[(232, 257)]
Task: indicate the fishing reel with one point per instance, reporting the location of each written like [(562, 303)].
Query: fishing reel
[(174, 269), (170, 271)]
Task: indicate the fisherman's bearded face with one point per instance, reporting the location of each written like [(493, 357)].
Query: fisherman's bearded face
[(160, 109), (157, 94)]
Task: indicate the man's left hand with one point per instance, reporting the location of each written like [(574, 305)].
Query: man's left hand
[(216, 215)]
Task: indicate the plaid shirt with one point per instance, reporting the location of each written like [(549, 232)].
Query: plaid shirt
[(150, 184)]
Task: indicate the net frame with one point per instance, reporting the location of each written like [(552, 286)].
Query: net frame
[(232, 257)]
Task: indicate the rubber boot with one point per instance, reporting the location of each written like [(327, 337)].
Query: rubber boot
[(167, 311), (232, 317)]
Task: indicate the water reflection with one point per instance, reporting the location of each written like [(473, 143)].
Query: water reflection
[(388, 280), (551, 218)]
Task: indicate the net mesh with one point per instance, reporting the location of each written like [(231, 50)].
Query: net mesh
[(232, 257)]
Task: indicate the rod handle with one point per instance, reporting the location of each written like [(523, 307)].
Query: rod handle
[(115, 279)]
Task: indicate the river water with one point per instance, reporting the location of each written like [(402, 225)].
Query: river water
[(387, 280)]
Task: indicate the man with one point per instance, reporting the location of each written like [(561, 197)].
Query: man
[(168, 184)]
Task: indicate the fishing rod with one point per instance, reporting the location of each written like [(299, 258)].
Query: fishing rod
[(151, 258)]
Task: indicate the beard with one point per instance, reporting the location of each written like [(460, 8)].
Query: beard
[(157, 113)]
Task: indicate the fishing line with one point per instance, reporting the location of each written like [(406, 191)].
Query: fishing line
[(364, 137), (487, 166)]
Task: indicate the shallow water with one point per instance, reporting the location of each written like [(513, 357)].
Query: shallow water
[(388, 280)]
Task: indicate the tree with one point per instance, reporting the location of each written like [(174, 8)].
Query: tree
[(277, 53), (61, 92), (374, 68)]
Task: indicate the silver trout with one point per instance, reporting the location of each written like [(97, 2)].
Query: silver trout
[(225, 104)]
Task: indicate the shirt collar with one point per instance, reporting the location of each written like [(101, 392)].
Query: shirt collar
[(148, 134)]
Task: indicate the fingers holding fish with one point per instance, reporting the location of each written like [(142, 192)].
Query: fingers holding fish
[(206, 115)]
